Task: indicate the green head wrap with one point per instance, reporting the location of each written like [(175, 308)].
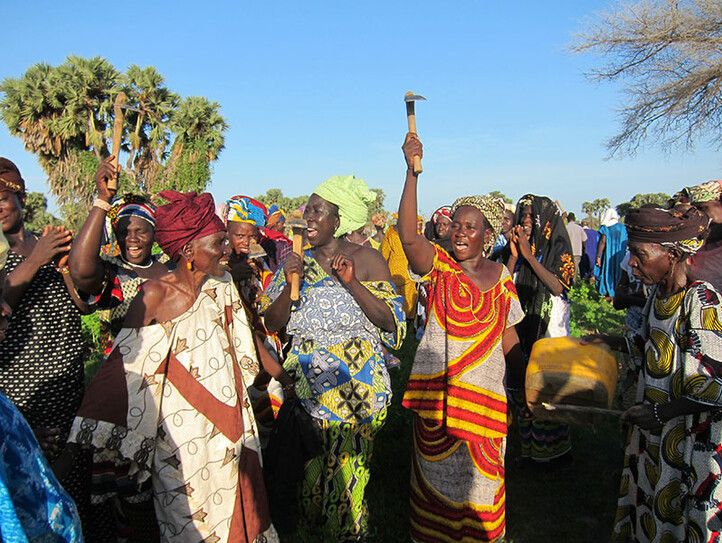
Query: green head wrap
[(350, 195)]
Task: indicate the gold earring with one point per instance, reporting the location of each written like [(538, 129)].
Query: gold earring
[(189, 265)]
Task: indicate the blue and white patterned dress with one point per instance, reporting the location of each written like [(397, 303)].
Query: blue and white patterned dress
[(337, 362), (33, 505)]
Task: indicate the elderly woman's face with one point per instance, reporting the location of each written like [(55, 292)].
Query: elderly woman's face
[(468, 233), (443, 225), (135, 239), (650, 262), (321, 220), (240, 235), (210, 254)]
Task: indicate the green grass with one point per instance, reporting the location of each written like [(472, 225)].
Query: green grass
[(575, 505)]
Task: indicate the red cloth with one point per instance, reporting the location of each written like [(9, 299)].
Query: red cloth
[(187, 217)]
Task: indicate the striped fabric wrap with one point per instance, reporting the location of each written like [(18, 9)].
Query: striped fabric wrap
[(469, 410), (457, 392)]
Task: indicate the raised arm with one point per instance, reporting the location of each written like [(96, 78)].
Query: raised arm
[(418, 249), (52, 243), (86, 268), (550, 281)]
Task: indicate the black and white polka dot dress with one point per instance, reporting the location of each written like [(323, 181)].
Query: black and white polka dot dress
[(41, 364), (41, 358)]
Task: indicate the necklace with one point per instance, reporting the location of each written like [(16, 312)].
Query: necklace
[(144, 266)]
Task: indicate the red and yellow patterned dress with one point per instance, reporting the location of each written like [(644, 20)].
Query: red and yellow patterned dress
[(457, 390)]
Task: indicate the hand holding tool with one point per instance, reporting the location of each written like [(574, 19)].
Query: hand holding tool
[(118, 107), (298, 224), (410, 98)]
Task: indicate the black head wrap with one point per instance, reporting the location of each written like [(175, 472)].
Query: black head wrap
[(683, 227), (551, 246)]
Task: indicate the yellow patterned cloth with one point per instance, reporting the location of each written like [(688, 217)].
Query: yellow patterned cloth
[(670, 489), (393, 252), (171, 398)]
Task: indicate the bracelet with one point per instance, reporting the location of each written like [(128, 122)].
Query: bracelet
[(655, 408), (64, 270), (102, 204)]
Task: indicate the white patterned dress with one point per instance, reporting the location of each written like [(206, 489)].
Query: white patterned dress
[(172, 399)]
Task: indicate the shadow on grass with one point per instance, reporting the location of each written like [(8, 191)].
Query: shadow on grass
[(576, 505)]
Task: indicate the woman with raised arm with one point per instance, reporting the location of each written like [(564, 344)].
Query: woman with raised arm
[(347, 308), (108, 276), (171, 398), (468, 356), (110, 281)]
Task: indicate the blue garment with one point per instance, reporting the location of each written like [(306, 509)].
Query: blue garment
[(611, 262), (33, 505), (500, 243), (589, 258)]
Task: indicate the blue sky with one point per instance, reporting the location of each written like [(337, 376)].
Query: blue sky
[(314, 89)]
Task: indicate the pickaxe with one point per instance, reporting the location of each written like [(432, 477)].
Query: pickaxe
[(410, 98), (298, 224), (118, 106)]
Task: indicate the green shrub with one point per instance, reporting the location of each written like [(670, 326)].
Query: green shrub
[(592, 313), (91, 344)]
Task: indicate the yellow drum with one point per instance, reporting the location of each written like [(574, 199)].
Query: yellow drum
[(562, 371)]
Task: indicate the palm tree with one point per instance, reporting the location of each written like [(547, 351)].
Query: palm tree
[(199, 138), (64, 115)]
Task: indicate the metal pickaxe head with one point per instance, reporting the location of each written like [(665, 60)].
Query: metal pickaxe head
[(129, 108), (296, 221), (255, 250), (411, 97)]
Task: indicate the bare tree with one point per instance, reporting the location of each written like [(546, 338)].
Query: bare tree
[(668, 53)]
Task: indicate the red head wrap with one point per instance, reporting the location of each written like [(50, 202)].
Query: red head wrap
[(10, 178), (187, 217), (443, 211)]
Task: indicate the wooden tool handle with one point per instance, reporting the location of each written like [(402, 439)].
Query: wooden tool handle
[(296, 278), (411, 116), (581, 409), (120, 100)]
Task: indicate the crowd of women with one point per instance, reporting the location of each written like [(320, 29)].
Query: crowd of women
[(209, 340)]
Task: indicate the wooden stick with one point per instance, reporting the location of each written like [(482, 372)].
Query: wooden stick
[(581, 409), (296, 222), (296, 278), (120, 101), (411, 116)]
